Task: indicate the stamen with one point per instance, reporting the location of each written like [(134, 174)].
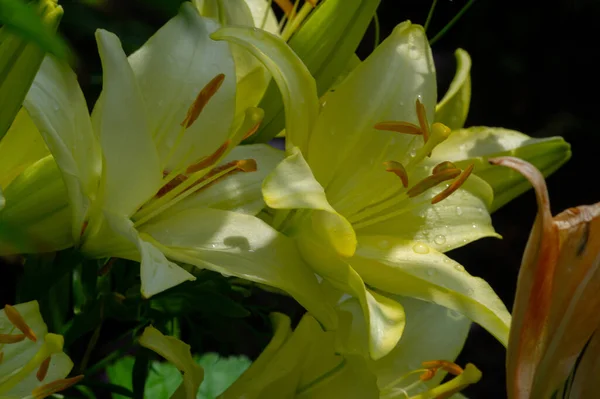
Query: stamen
[(46, 390), (11, 338), (443, 166), (432, 181), (470, 375), (423, 120), (18, 321), (399, 127), (439, 133), (43, 370), (286, 6), (176, 181), (252, 130), (427, 375), (454, 186), (398, 169), (209, 160), (445, 365), (202, 99)]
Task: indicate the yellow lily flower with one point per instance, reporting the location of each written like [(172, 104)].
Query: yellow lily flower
[(357, 223), (32, 363), (154, 175), (555, 313)]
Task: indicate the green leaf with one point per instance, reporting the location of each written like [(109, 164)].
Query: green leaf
[(219, 373)]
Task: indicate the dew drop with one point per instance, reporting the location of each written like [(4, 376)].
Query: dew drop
[(470, 291), (430, 272), (446, 260), (459, 210), (474, 226), (56, 108), (420, 248), (413, 152), (213, 245), (439, 239), (459, 268)]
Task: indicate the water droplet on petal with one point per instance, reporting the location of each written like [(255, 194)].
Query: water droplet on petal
[(459, 210), (459, 267), (413, 152), (470, 291), (439, 239), (420, 248), (430, 272), (474, 226)]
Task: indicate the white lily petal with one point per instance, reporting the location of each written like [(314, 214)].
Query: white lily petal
[(263, 15), (58, 108), (171, 68), (452, 110), (344, 146), (242, 246), (157, 273), (416, 270), (132, 171)]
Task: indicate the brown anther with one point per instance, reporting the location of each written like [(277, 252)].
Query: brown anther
[(43, 370), (445, 365), (11, 338), (202, 99), (18, 321), (83, 227), (286, 6), (443, 166), (104, 270), (209, 160), (432, 181), (427, 375), (421, 114), (247, 165), (252, 130), (46, 390), (177, 180), (398, 169), (454, 186), (399, 127)]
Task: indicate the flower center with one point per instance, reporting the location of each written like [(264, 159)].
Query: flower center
[(404, 388), (186, 179), (400, 201)]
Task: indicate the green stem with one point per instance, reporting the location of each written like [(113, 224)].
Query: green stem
[(452, 22), (428, 20)]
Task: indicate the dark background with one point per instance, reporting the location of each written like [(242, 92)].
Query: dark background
[(533, 71)]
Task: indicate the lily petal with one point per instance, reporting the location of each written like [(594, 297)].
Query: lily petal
[(239, 192), (476, 145), (414, 269), (456, 221), (292, 186), (58, 108), (178, 353), (385, 319), (263, 15), (171, 68), (586, 377), (297, 86), (157, 273), (452, 110), (344, 144), (132, 171), (20, 147), (243, 246)]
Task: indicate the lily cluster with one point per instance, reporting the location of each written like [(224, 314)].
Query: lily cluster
[(171, 169)]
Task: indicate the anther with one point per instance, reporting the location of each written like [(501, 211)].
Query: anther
[(43, 370), (252, 130), (399, 127), (445, 365), (423, 120), (286, 6), (443, 166), (247, 165), (427, 374), (432, 181), (18, 321), (398, 169), (202, 99), (454, 186), (11, 338), (209, 160), (55, 386)]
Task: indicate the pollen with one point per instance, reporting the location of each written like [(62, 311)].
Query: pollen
[(399, 127), (286, 6), (55, 386), (202, 99), (11, 338), (454, 186), (209, 160), (18, 321), (422, 119), (432, 181), (398, 169), (443, 166), (445, 365), (43, 370)]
